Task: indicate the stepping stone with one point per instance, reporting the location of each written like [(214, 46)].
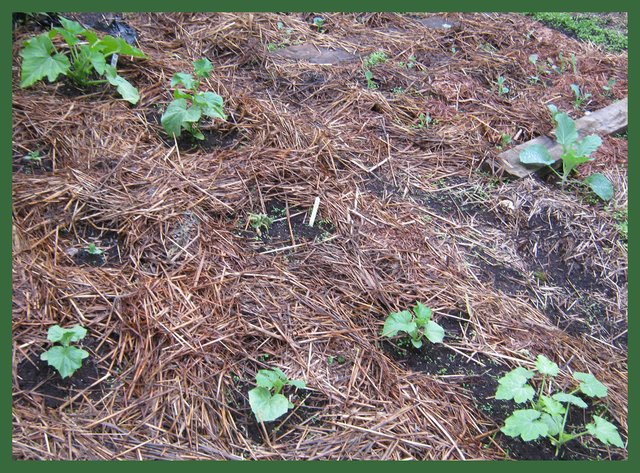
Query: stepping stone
[(437, 23), (315, 55)]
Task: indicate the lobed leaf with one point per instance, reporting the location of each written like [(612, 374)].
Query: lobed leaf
[(600, 185), (605, 431), (202, 67), (513, 385), (589, 385), (66, 335), (423, 314), (184, 79), (115, 45), (546, 367), (536, 154), (570, 399), (38, 61), (210, 103), (553, 423), (398, 322), (552, 406), (65, 359), (177, 116), (265, 406), (525, 423)]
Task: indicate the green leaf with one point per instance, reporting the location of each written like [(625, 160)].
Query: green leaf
[(605, 431), (297, 383), (64, 359), (271, 379), (114, 45), (588, 145), (434, 332), (398, 322), (70, 30), (416, 342), (570, 398), (552, 406), (546, 367), (265, 406), (576, 90), (600, 185), (37, 61), (525, 423), (97, 60), (423, 314), (177, 116), (202, 67), (553, 423), (553, 109), (66, 335), (513, 385), (125, 89), (590, 385), (566, 133), (184, 79), (536, 154), (210, 103)]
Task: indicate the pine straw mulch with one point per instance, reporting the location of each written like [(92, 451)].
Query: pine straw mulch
[(188, 303)]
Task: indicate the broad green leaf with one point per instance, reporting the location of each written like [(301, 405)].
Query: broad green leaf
[(546, 367), (265, 406), (125, 89), (513, 385), (184, 79), (416, 342), (202, 67), (525, 423), (210, 103), (271, 379), (70, 31), (64, 359), (576, 90), (589, 385), (423, 314), (570, 399), (536, 154), (398, 322), (297, 383), (434, 332), (97, 60), (600, 185), (588, 145), (570, 160), (552, 406), (178, 94), (38, 61), (110, 45), (553, 423), (553, 109), (605, 431), (566, 133), (66, 335), (177, 115)]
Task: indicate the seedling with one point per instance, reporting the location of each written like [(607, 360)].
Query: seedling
[(86, 56), (92, 249), (32, 156), (505, 140), (266, 400), (372, 60), (574, 152), (66, 359), (189, 104), (423, 121), (260, 222), (580, 97), (502, 89), (410, 64), (416, 324), (548, 413), (608, 89), (318, 23)]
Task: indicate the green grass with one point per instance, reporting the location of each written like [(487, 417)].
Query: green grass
[(585, 29)]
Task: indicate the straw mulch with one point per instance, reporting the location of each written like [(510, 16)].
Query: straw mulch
[(190, 306)]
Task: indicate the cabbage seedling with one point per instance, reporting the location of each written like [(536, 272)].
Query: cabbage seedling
[(416, 324), (266, 400), (41, 59), (574, 152), (189, 104), (548, 413), (64, 357)]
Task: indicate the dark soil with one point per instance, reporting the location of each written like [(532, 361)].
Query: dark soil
[(37, 377), (33, 166), (107, 241)]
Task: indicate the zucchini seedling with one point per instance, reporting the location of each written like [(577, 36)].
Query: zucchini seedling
[(65, 358)]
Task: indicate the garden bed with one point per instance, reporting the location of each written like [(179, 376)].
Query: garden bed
[(187, 299)]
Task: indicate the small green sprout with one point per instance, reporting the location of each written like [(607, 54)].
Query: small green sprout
[(547, 414), (423, 121), (66, 359), (33, 156), (92, 249), (260, 222), (608, 89), (266, 400), (318, 23), (502, 89), (189, 104), (373, 59), (574, 153), (416, 324), (580, 97)]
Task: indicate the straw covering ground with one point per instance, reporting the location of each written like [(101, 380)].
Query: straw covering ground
[(188, 301)]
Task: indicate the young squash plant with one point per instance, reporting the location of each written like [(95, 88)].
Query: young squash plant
[(575, 151), (416, 324), (548, 413), (65, 358), (189, 104), (84, 57), (266, 400)]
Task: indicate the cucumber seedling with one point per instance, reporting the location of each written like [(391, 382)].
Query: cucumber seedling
[(266, 399), (416, 324), (65, 358)]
